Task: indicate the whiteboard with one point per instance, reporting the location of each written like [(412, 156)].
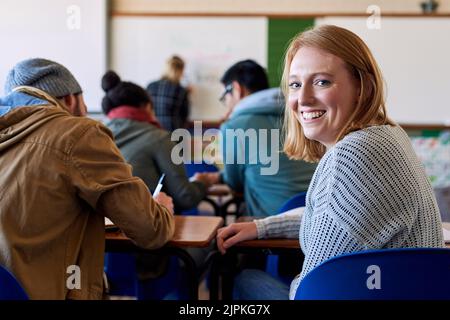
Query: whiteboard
[(71, 32), (414, 56), (209, 45)]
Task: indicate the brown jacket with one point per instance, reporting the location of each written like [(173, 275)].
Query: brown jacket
[(59, 176)]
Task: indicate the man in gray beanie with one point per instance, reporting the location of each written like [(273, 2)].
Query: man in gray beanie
[(60, 175), (50, 77)]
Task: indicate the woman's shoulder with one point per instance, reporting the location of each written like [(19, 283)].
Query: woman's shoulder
[(381, 137), (383, 146)]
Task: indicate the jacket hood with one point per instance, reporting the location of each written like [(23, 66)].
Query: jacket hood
[(269, 101), (18, 99), (19, 122), (126, 130)]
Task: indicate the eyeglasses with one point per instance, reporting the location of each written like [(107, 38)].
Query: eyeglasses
[(228, 89)]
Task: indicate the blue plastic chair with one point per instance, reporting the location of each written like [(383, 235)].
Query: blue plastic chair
[(389, 274), (299, 200), (191, 169), (170, 286), (120, 269), (10, 288), (296, 201)]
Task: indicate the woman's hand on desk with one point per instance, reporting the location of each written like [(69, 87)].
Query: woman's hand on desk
[(235, 233), (164, 200)]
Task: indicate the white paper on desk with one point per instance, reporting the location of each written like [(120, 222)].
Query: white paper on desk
[(108, 222), (446, 231)]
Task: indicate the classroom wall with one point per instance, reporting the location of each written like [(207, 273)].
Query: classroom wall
[(414, 59), (72, 32), (268, 7), (209, 45), (414, 63), (141, 41)]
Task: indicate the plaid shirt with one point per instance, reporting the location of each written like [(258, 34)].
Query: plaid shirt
[(170, 103)]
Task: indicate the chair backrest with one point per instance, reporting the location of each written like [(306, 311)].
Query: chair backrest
[(274, 261), (192, 168), (390, 274), (10, 288), (296, 201)]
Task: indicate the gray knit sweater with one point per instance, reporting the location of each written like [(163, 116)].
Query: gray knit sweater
[(369, 191)]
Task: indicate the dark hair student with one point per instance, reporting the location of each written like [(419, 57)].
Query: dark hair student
[(119, 93)]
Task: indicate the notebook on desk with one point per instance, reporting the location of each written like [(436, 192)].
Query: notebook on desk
[(109, 225)]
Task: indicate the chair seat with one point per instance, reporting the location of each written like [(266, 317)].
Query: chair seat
[(10, 288)]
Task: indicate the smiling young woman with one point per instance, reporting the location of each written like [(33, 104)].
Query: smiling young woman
[(369, 190), (337, 75)]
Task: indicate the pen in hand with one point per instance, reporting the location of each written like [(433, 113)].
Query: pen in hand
[(159, 186)]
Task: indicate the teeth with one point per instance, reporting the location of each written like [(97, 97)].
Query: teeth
[(312, 115)]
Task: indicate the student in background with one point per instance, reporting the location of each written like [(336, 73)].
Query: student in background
[(369, 190), (144, 144), (61, 175), (253, 107), (170, 98), (147, 147)]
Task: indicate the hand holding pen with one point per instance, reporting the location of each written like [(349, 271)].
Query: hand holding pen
[(158, 186), (161, 197)]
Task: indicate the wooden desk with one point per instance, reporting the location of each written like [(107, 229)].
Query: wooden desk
[(190, 232), (270, 244)]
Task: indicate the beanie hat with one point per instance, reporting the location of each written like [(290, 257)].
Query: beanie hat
[(43, 74)]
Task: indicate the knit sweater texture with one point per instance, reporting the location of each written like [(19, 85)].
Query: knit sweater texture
[(369, 191)]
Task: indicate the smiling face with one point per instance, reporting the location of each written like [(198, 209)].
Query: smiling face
[(322, 94)]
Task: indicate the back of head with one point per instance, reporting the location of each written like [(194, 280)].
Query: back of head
[(247, 73), (174, 69), (359, 60), (43, 74), (120, 93)]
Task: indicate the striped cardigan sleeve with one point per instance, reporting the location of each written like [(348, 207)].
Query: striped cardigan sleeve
[(284, 225)]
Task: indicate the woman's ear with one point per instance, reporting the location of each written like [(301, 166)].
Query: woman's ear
[(358, 85)]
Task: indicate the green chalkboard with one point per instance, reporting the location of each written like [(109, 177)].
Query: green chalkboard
[(281, 31)]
